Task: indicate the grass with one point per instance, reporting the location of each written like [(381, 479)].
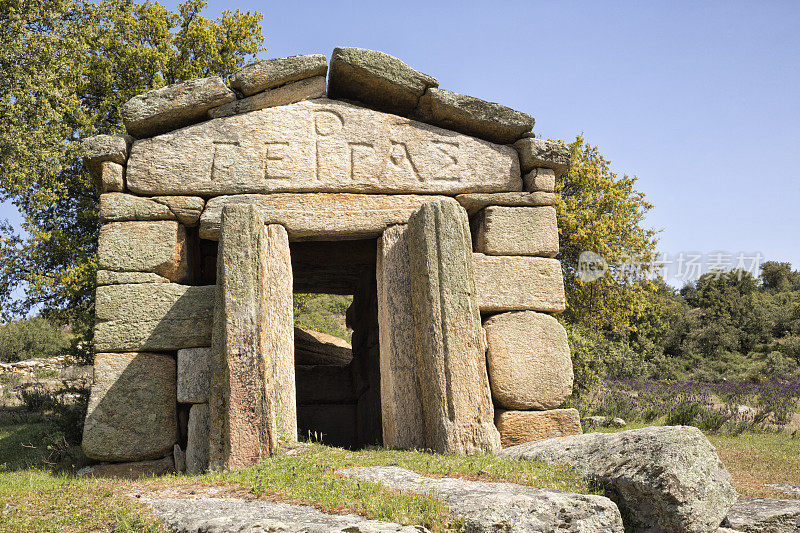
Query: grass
[(35, 499)]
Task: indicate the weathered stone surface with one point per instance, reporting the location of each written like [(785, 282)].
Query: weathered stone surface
[(602, 421), (765, 515), (473, 116), (321, 216), (179, 458), (197, 439), (252, 396), (109, 177), (519, 427), (153, 316), (109, 277), (155, 467), (449, 344), (131, 413), (224, 515), (540, 179), (324, 384), (536, 153), (153, 246), (401, 402), (491, 507), (118, 207), (315, 348), (194, 375), (318, 146), (500, 230), (377, 79), (290, 93), (528, 360), (174, 106), (332, 424), (99, 148), (507, 283), (473, 203), (662, 478), (269, 73), (186, 209)]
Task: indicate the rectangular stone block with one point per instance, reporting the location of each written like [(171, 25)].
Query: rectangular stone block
[(540, 153), (473, 203), (109, 277), (194, 375), (132, 410), (252, 402), (540, 179), (321, 216), (518, 283), (197, 440), (519, 427), (318, 146), (158, 247), (270, 73), (153, 316), (448, 340), (290, 93), (118, 207), (109, 177), (401, 402), (516, 231)]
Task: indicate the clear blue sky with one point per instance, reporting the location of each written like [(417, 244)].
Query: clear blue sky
[(697, 99)]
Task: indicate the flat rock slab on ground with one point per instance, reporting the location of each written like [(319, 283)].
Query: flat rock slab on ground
[(765, 515), (663, 478), (508, 507), (218, 515)]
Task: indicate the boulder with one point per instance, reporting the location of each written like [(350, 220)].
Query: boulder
[(109, 277), (540, 179), (529, 361), (321, 216), (131, 414), (508, 283), (290, 93), (252, 396), (500, 230), (109, 177), (194, 375), (318, 146), (536, 153), (117, 207), (156, 467), (316, 348), (474, 202), (197, 439), (99, 148), (662, 478), (492, 507), (465, 114), (449, 344), (519, 427), (401, 402), (153, 316), (764, 515), (377, 79), (174, 106), (270, 73), (152, 246), (223, 515), (186, 209)]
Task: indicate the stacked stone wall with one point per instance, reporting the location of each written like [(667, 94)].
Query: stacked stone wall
[(209, 207)]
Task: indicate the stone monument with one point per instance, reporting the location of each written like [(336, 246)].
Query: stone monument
[(433, 209)]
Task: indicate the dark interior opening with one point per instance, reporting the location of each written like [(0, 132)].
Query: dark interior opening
[(338, 389)]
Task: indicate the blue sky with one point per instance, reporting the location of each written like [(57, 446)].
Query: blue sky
[(697, 99)]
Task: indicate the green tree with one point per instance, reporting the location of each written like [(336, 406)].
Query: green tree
[(603, 213), (66, 66), (32, 337)]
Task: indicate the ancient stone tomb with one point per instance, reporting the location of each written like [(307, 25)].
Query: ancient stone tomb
[(433, 209)]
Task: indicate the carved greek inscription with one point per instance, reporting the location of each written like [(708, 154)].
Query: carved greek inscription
[(223, 158), (449, 153), (277, 160), (400, 160), (362, 158), (327, 124)]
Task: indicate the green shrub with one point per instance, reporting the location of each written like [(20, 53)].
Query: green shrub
[(684, 414), (32, 337)]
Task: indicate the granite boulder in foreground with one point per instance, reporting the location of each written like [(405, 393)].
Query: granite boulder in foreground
[(507, 507), (765, 515), (664, 479)]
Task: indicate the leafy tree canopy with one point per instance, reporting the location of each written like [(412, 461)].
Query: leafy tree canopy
[(66, 66)]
